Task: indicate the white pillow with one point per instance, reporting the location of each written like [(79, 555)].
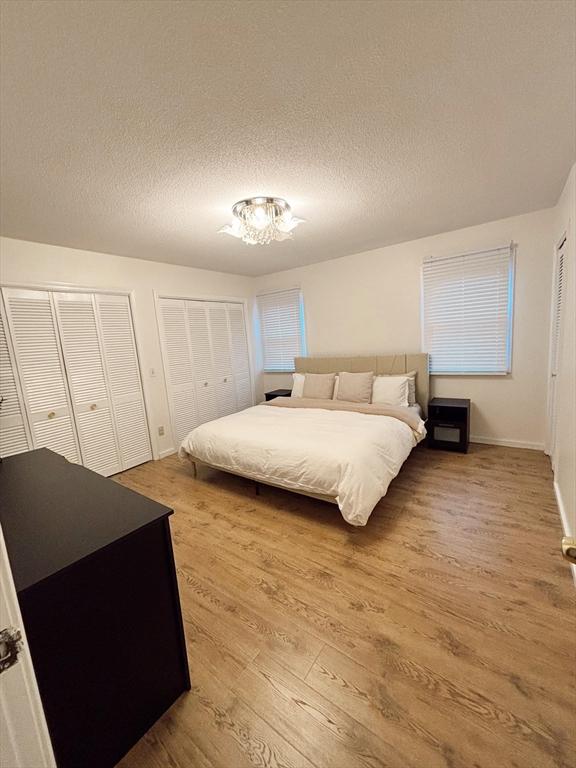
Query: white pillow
[(297, 385), (390, 390)]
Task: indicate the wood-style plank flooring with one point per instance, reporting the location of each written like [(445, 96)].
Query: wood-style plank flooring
[(441, 635)]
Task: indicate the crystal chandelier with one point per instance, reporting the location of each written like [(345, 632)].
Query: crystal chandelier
[(260, 220)]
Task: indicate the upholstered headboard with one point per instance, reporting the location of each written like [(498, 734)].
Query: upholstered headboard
[(380, 364)]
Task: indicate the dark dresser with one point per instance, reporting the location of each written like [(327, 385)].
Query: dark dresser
[(94, 571)]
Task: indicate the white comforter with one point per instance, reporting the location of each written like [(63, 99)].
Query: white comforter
[(352, 456)]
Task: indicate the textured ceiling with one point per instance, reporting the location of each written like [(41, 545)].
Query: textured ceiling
[(131, 127)]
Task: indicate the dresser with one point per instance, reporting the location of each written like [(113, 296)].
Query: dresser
[(94, 571)]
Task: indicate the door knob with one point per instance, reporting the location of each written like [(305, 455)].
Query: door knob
[(10, 647), (51, 414), (93, 407), (569, 549)]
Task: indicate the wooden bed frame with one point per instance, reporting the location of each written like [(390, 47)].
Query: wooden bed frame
[(380, 364)]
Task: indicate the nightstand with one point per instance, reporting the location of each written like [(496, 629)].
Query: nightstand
[(448, 424), (277, 393)]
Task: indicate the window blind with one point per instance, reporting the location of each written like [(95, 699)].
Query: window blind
[(281, 328), (467, 308)]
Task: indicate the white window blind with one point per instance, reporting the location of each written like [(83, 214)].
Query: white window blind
[(281, 328), (467, 308)]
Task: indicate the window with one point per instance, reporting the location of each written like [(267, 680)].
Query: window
[(467, 303), (281, 329)]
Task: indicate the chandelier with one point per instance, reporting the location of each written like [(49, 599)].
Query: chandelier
[(260, 220)]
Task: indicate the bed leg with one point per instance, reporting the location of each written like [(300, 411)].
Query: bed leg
[(194, 469), (257, 488)]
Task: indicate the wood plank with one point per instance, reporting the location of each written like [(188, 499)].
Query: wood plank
[(440, 635)]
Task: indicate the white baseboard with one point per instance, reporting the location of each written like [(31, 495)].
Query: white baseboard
[(166, 452), (507, 443), (565, 523)]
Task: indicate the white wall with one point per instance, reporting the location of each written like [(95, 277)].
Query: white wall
[(29, 263), (370, 303), (565, 443), (360, 304)]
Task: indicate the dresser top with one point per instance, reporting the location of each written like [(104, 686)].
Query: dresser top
[(54, 513)]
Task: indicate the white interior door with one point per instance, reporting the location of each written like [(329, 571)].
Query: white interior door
[(123, 376), (14, 433), (24, 739), (221, 357), (555, 342), (42, 374), (178, 367), (204, 375), (240, 356), (87, 382)]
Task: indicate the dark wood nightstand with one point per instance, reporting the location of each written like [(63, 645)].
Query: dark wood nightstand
[(448, 423), (277, 393)]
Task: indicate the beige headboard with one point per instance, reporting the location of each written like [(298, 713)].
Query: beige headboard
[(380, 364)]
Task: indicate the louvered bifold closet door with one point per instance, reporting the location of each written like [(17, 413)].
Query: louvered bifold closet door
[(200, 346), (14, 436), (240, 356), (39, 361), (87, 382), (221, 358), (178, 367), (123, 374)]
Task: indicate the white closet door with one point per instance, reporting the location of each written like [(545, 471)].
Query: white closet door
[(14, 436), (178, 367), (240, 356), (123, 373), (204, 375), (87, 382), (221, 358), (39, 361)]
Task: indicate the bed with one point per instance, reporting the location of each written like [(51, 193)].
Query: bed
[(343, 453)]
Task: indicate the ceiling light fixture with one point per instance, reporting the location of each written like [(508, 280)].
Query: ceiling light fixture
[(260, 220)]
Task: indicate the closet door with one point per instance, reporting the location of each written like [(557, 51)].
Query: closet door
[(123, 374), (204, 376), (87, 382), (14, 436), (240, 356), (39, 361), (178, 367), (221, 358)]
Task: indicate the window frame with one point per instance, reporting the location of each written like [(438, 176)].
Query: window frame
[(511, 248), (302, 352)]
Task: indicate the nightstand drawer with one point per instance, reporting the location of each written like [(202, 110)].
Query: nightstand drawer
[(447, 414)]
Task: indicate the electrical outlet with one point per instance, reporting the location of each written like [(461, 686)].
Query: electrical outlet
[(161, 431)]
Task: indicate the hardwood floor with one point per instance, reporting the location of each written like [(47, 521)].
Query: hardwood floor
[(441, 635)]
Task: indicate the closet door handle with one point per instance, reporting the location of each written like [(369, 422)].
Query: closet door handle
[(51, 414), (205, 383), (93, 407), (225, 380)]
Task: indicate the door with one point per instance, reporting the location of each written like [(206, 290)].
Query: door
[(555, 346), (123, 375), (86, 378), (178, 367), (240, 356), (14, 433), (25, 742), (221, 358), (203, 370), (39, 361)]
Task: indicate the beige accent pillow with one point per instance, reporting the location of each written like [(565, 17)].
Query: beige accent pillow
[(411, 384), (320, 386), (355, 387)]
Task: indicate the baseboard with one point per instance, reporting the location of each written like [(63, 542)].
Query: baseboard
[(166, 452), (507, 443), (565, 523)]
